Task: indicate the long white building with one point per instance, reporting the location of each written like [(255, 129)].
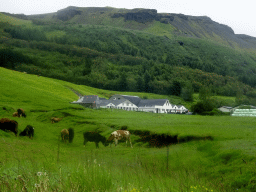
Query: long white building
[(131, 103)]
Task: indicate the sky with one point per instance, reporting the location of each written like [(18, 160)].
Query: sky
[(239, 15)]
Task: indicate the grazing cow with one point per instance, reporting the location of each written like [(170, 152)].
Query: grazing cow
[(9, 125), (15, 114), (55, 119), (21, 112), (28, 131), (64, 135), (119, 135), (71, 135), (94, 137)]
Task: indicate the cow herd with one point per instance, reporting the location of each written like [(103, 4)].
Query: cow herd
[(9, 125)]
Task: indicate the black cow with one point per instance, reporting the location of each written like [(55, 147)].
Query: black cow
[(21, 112), (94, 137), (9, 125), (28, 131)]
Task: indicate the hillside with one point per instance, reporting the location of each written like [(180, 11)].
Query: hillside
[(136, 50), (215, 153), (145, 20)]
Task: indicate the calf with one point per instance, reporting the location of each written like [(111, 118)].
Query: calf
[(94, 137), (21, 112), (9, 125), (119, 135), (55, 119), (28, 131), (15, 114)]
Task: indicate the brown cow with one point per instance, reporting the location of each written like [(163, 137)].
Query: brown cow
[(64, 135), (9, 125), (21, 112), (15, 114), (55, 119), (119, 135)]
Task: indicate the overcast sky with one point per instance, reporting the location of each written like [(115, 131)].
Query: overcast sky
[(239, 15)]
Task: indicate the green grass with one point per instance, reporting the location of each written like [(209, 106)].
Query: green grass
[(14, 21), (198, 165), (160, 29)]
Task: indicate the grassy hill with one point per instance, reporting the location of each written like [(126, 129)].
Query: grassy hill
[(114, 49), (46, 164)]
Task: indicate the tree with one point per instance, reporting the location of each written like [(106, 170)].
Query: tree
[(175, 88), (140, 84), (204, 93), (87, 66), (147, 79), (187, 93), (122, 84)]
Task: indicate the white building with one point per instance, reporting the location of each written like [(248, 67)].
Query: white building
[(133, 103)]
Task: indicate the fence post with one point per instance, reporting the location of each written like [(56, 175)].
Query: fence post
[(58, 152), (167, 157)]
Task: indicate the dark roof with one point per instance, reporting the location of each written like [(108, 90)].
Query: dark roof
[(115, 102), (134, 99), (152, 102), (104, 102), (90, 99)]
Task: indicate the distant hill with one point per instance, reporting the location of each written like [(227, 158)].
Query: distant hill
[(182, 25), (130, 50)]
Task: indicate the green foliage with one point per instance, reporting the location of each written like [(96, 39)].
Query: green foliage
[(176, 88), (187, 93), (97, 55), (26, 33), (10, 58)]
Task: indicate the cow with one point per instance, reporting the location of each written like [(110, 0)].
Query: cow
[(64, 135), (9, 125), (55, 119), (119, 135), (28, 131), (15, 114), (71, 134), (21, 112), (95, 137)]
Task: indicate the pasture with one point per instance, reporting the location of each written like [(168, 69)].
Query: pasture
[(45, 163)]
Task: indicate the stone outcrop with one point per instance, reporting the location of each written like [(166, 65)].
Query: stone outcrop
[(68, 13)]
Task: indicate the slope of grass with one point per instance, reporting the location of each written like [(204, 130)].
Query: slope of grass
[(14, 20), (202, 165)]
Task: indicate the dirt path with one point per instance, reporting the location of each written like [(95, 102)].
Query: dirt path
[(76, 92)]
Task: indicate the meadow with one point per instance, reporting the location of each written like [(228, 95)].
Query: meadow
[(226, 163)]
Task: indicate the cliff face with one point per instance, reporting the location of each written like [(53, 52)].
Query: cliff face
[(67, 13), (141, 16), (190, 26)]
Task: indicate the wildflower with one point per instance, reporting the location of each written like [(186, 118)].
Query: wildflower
[(37, 185)]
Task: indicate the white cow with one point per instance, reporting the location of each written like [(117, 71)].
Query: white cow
[(120, 134)]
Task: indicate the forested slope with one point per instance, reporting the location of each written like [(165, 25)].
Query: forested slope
[(144, 51)]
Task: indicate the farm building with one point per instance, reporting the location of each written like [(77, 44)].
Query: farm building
[(131, 103), (244, 112), (225, 109), (90, 101)]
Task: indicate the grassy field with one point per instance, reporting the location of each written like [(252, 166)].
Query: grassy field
[(226, 163)]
